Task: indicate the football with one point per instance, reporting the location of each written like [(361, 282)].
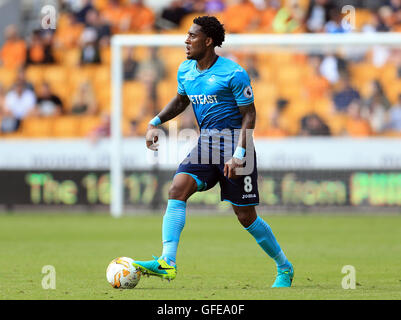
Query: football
[(122, 274)]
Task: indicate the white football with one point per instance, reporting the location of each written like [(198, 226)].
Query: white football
[(122, 274)]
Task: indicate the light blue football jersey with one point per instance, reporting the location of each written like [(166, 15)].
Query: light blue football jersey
[(216, 93)]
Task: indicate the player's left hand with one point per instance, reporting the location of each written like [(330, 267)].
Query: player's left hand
[(230, 167)]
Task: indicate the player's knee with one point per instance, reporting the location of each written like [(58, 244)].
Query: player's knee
[(178, 192), (246, 215)]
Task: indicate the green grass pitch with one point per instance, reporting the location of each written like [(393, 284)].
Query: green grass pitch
[(217, 258)]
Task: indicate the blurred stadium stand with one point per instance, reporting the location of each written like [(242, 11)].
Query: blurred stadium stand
[(290, 88)]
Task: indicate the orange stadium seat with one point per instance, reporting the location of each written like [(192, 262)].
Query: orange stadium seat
[(105, 55), (7, 77), (71, 57), (362, 17), (134, 96), (187, 21), (393, 90), (166, 90), (79, 76), (66, 126), (87, 124), (364, 72), (101, 78), (103, 97), (55, 74), (34, 127), (34, 75)]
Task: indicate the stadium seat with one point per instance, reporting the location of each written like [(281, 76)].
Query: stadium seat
[(393, 90), (103, 97), (34, 74), (87, 124), (66, 126), (72, 57), (79, 76), (7, 77), (362, 17), (364, 71), (187, 21), (134, 96), (55, 74), (166, 90), (35, 127), (105, 55)]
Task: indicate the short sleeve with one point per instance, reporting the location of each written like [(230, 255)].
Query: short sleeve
[(180, 86), (240, 85)]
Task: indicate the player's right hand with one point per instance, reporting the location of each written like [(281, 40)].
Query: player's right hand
[(152, 136)]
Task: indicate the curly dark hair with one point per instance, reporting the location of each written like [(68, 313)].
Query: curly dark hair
[(212, 28)]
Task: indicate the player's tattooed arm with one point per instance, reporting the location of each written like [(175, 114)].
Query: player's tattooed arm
[(248, 113), (176, 106)]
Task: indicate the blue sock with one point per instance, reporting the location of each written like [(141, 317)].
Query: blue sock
[(263, 235), (173, 223)]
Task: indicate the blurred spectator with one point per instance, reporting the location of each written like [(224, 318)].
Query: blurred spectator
[(84, 101), (397, 20), (172, 15), (313, 125), (317, 15), (151, 71), (21, 76), (384, 19), (133, 130), (377, 106), (103, 130), (19, 103), (267, 15), (316, 85), (356, 125), (277, 128), (82, 9), (90, 51), (344, 95), (395, 5), (141, 18), (39, 50), (394, 117), (67, 36), (329, 68), (251, 67), (288, 18), (130, 65), (194, 6), (13, 52), (116, 15), (241, 16), (334, 25), (96, 24), (214, 6), (48, 104)]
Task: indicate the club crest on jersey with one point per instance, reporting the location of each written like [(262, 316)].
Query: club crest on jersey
[(248, 92), (211, 79)]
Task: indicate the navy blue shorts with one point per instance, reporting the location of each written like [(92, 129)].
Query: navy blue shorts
[(242, 191)]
